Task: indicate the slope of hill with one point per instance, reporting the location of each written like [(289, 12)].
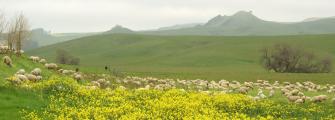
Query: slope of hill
[(13, 100), (40, 37), (245, 23), (196, 56)]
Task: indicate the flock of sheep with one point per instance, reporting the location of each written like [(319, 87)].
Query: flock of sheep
[(36, 74), (294, 92)]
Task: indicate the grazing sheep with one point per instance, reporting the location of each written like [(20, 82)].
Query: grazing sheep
[(7, 61), (51, 66), (67, 72), (293, 98), (4, 49), (299, 101), (19, 52), (43, 61), (77, 77), (31, 77), (22, 77), (36, 71), (319, 98), (21, 72), (271, 93), (39, 78), (34, 58), (243, 90)]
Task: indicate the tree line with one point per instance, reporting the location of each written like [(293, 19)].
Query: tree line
[(15, 31)]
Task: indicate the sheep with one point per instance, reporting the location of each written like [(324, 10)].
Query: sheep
[(4, 49), (77, 77), (7, 60), (271, 93), (43, 61), (293, 98), (319, 98), (36, 71), (21, 72), (39, 78), (299, 101), (67, 72), (19, 52), (243, 90), (31, 77), (22, 77), (34, 58), (51, 66)]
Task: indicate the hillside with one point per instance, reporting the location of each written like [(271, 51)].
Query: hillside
[(245, 23), (40, 37), (212, 57), (13, 100)]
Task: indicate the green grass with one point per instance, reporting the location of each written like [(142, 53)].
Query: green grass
[(13, 100), (189, 57)]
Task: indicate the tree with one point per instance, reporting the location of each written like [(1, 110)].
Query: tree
[(22, 32), (63, 57), (287, 59), (3, 24)]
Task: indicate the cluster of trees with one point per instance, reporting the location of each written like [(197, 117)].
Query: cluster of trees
[(63, 57), (15, 31), (284, 58)]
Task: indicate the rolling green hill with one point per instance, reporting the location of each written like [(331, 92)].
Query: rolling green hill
[(212, 57)]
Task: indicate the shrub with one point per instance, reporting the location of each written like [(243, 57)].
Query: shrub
[(63, 57), (284, 58)]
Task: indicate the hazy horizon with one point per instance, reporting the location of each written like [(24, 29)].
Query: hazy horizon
[(62, 16)]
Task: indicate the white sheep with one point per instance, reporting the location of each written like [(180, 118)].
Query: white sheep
[(7, 60), (51, 66), (43, 61), (271, 93), (36, 72), (31, 77), (34, 58), (21, 72), (78, 77), (4, 49), (39, 78), (22, 77), (319, 98), (299, 101), (293, 98)]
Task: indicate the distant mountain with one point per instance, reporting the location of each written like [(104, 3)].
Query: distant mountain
[(245, 23), (119, 29), (180, 26)]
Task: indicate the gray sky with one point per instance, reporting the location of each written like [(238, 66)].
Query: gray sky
[(101, 15)]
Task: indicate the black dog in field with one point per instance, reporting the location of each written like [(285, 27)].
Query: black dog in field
[(77, 69), (106, 68)]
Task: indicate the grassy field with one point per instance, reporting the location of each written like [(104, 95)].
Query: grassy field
[(13, 100), (189, 57), (37, 101)]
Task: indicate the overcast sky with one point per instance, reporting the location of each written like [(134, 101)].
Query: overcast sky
[(101, 15)]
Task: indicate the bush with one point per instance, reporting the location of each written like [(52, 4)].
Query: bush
[(63, 57), (284, 58)]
